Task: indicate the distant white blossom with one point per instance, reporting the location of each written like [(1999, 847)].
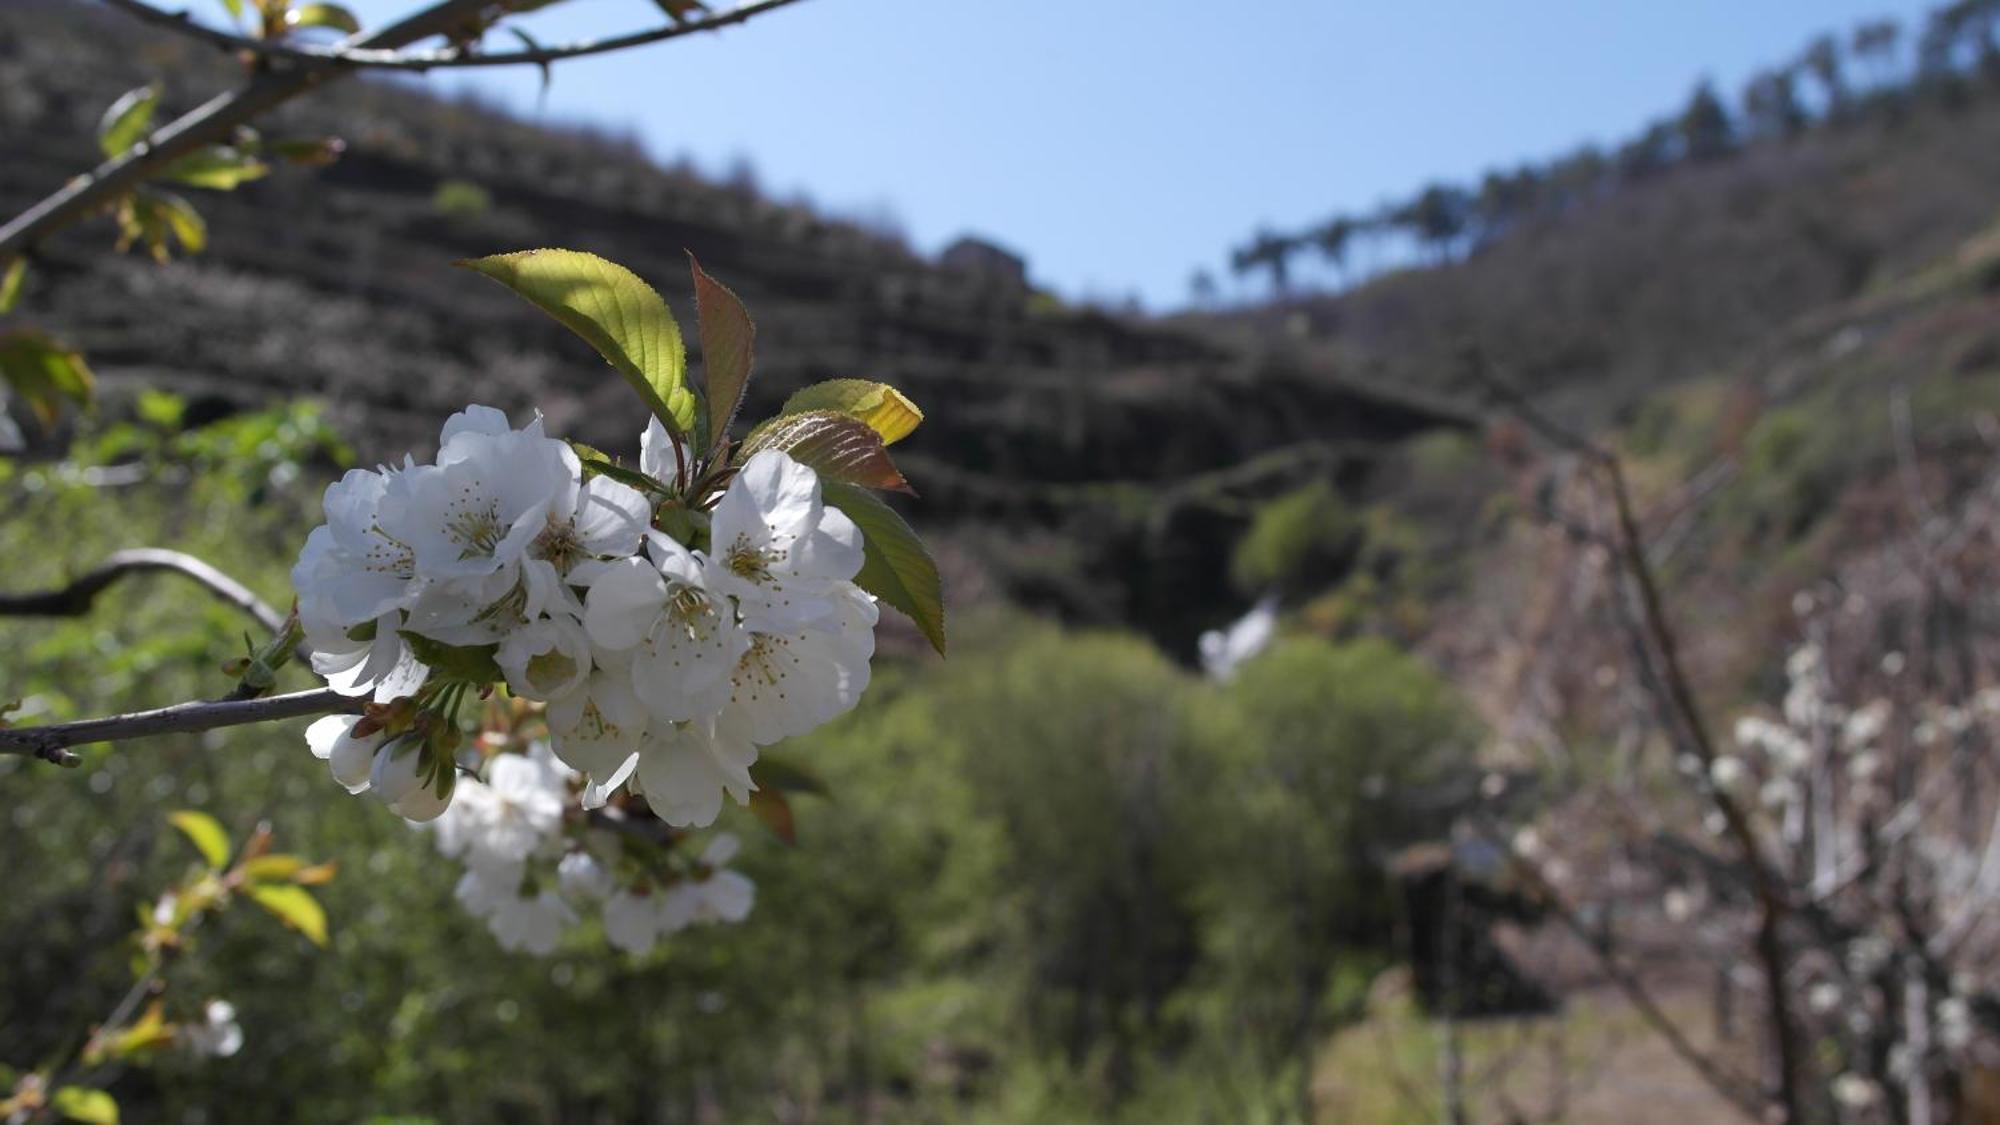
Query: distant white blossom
[(1223, 651), (216, 1034)]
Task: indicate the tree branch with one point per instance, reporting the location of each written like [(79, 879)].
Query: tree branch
[(51, 743), (212, 122), (75, 599), (1727, 1086), (372, 58), (1773, 899)]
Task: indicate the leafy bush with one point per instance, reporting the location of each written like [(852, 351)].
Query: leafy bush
[(1298, 541)]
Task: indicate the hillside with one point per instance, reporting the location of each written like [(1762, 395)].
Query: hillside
[(1096, 465), (337, 282)]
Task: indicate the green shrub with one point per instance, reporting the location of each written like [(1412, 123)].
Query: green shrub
[(1299, 541), (461, 199)]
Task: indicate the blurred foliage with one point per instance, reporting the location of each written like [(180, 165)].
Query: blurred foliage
[(1301, 539), (461, 199), (1059, 877)]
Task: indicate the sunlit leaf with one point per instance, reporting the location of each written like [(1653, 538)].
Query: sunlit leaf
[(887, 410), (294, 906), (218, 167), (11, 283), (770, 807), (896, 566), (837, 447), (316, 874), (81, 1103), (44, 372), (775, 770), (323, 15), (127, 120), (149, 1033), (205, 833), (235, 9), (273, 868), (181, 218), (728, 350), (616, 312)]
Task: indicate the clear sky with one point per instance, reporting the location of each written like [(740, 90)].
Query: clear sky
[(1120, 144)]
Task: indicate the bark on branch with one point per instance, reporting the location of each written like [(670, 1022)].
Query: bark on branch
[(376, 58), (212, 122), (51, 743), (75, 599)]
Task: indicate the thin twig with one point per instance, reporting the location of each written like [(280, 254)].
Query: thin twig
[(373, 58), (1731, 1088), (213, 121), (76, 598), (1772, 897), (50, 743)]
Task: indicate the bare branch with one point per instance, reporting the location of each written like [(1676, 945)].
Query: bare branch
[(51, 743), (75, 599), (1730, 1087), (1773, 900), (369, 58)]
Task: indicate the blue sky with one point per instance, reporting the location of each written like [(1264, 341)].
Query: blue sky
[(1120, 144)]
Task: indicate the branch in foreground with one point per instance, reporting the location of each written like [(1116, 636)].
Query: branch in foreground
[(212, 122), (51, 743), (375, 58), (75, 599)]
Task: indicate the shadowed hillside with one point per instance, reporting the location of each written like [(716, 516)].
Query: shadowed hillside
[(337, 282)]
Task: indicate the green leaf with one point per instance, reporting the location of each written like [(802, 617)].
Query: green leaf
[(781, 772), (612, 309), (270, 868), (887, 410), (295, 907), (835, 446), (205, 833), (473, 664), (181, 218), (315, 152), (11, 283), (323, 15), (235, 9), (597, 463), (126, 120), (81, 1103), (728, 351), (896, 566), (44, 372), (218, 167)]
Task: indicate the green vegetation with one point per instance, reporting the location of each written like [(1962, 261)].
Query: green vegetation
[(1297, 541), (1059, 878)]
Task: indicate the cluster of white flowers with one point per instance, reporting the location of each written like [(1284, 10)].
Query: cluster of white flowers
[(530, 869), (217, 1035), (664, 665)]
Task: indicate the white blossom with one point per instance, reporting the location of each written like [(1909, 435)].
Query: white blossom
[(684, 639), (217, 1035), (714, 894), (1853, 1091), (508, 816), (776, 548), (351, 759)]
